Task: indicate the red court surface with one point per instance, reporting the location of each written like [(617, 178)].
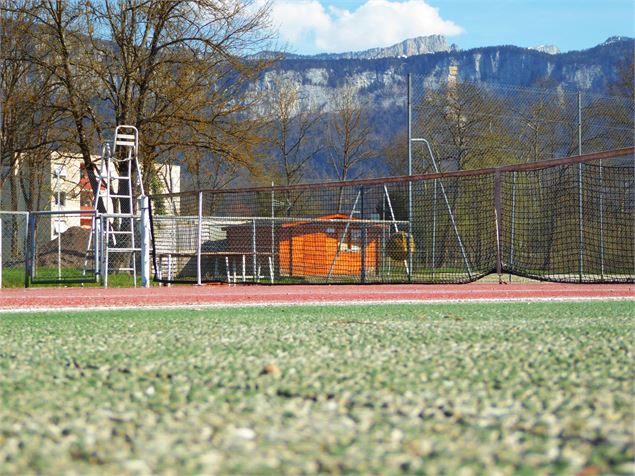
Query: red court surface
[(233, 295)]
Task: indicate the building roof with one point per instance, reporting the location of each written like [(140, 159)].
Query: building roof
[(332, 219)]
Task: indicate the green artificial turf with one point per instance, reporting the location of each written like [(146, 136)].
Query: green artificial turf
[(48, 277), (525, 388)]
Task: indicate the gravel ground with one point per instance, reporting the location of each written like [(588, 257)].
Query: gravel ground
[(492, 389)]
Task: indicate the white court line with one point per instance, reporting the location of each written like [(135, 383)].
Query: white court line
[(217, 305)]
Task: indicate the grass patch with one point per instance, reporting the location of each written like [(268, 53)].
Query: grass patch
[(48, 277), (540, 388), (13, 277)]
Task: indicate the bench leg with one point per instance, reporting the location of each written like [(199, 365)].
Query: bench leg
[(271, 269)]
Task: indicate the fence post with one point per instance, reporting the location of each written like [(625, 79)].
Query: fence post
[(59, 244), (253, 249), (410, 217), (579, 123), (199, 239), (580, 225), (601, 222), (145, 241), (362, 238), (498, 218), (272, 262), (434, 230), (29, 249), (580, 230), (512, 234), (0, 253)]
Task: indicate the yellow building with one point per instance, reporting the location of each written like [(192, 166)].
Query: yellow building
[(60, 183)]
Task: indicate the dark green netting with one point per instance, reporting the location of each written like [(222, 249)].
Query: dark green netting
[(568, 222)]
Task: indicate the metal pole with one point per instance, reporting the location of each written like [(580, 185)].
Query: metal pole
[(29, 250), (513, 226), (103, 255), (392, 212), (498, 219), (581, 237), (341, 240), (253, 249), (145, 241), (434, 229), (410, 217), (98, 238), (394, 222), (199, 238), (362, 238), (580, 224), (601, 222), (273, 231), (106, 254), (383, 239), (447, 203), (579, 123), (0, 253), (59, 228)]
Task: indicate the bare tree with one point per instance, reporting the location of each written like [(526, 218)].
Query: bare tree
[(27, 123), (608, 122), (463, 121), (625, 84), (349, 135), (290, 146), (172, 68), (395, 153)]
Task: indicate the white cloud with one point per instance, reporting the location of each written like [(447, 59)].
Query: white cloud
[(376, 23), (299, 20)]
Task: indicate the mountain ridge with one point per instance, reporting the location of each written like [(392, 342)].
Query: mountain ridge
[(421, 45), (383, 80)]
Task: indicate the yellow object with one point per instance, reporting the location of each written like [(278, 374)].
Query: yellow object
[(397, 246)]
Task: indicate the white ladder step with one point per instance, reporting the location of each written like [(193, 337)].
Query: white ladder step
[(125, 143)]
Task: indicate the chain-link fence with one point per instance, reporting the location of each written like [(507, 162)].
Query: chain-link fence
[(66, 247), (567, 220), (570, 223), (69, 247), (61, 247), (13, 246), (474, 125)]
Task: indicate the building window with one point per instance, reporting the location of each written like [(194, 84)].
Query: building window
[(62, 199), (86, 198)]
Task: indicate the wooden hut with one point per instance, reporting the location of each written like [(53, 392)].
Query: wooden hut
[(309, 248)]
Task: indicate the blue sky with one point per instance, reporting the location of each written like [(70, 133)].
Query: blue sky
[(312, 26)]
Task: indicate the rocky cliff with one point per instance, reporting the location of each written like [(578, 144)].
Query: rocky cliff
[(380, 75)]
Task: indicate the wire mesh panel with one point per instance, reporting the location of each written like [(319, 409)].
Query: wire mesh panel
[(13, 242), (474, 125), (607, 208), (453, 228), (118, 249), (545, 224), (319, 234), (568, 220), (606, 123), (570, 223), (59, 247)]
